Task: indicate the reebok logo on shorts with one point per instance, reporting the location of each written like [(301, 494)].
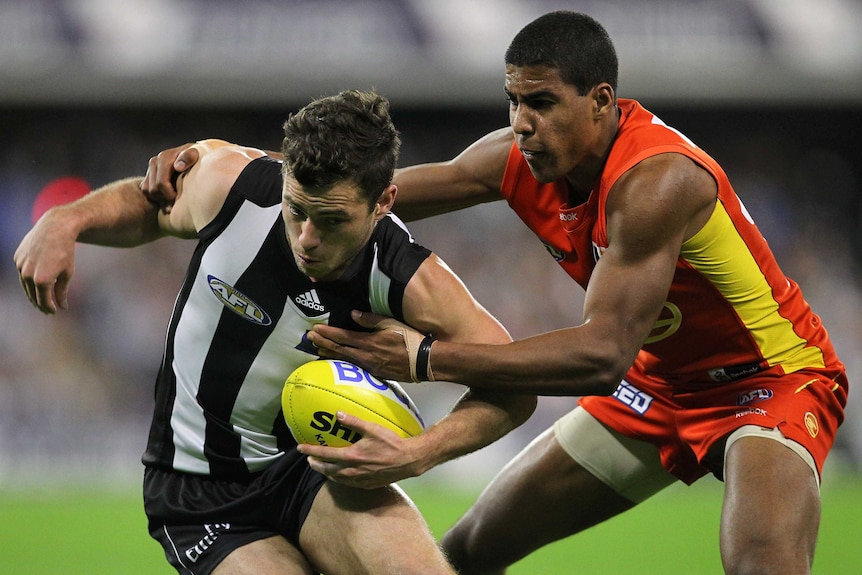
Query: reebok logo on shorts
[(629, 395)]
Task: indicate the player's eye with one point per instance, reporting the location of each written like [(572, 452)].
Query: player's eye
[(294, 211), (331, 222)]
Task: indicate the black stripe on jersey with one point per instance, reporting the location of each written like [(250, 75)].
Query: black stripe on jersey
[(261, 182), (160, 446)]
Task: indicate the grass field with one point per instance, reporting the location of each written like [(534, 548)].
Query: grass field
[(92, 533)]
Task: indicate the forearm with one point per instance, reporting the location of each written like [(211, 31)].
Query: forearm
[(116, 215), (555, 363), (477, 420)]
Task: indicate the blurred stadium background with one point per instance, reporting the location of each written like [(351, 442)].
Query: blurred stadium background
[(93, 88)]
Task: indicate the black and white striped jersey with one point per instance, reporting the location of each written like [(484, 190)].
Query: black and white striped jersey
[(239, 325)]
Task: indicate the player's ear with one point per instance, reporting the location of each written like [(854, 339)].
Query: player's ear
[(605, 99), (385, 201)]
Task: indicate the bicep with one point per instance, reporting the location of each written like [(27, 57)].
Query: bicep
[(471, 178), (625, 296), (436, 301), (650, 212)]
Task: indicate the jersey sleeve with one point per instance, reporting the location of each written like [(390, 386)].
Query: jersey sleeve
[(396, 257)]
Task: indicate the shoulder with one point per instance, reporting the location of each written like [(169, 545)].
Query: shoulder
[(389, 263), (397, 256), (221, 167), (202, 190), (397, 250), (654, 169), (670, 189)]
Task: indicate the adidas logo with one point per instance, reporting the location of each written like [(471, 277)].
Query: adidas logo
[(310, 301)]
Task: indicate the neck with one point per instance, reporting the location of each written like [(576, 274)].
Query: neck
[(581, 187)]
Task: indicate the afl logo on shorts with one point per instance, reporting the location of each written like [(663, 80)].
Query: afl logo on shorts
[(811, 424)]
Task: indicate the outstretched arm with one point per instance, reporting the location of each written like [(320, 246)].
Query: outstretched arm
[(424, 190), (436, 302), (118, 215), (651, 210)]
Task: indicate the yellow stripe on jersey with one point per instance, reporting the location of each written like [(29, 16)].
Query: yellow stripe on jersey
[(720, 254)]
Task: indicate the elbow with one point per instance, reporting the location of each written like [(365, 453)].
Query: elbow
[(526, 406), (608, 372), (514, 408), (608, 383)]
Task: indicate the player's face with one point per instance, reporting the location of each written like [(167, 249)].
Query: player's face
[(326, 229), (555, 128)]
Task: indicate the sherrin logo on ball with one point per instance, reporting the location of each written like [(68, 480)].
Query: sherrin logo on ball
[(315, 391)]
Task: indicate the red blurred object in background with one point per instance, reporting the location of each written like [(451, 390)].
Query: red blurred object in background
[(59, 191)]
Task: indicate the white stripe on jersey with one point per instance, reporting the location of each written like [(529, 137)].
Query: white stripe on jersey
[(378, 288)]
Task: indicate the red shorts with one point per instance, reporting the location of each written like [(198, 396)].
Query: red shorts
[(807, 406)]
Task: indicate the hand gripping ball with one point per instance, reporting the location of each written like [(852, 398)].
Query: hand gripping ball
[(315, 391)]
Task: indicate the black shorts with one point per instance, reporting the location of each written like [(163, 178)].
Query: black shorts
[(200, 520)]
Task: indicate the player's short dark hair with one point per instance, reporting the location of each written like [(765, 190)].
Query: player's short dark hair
[(572, 43), (349, 136)]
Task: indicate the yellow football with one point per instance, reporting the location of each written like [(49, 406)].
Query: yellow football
[(318, 389)]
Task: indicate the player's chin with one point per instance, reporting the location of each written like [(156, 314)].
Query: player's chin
[(310, 271), (316, 271), (543, 171)]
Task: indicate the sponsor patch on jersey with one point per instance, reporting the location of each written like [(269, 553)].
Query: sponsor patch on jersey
[(237, 302), (734, 372), (310, 302)]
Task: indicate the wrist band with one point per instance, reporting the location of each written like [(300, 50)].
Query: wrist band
[(423, 360)]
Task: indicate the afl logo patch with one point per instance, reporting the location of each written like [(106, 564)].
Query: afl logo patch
[(752, 396), (811, 424), (237, 302)]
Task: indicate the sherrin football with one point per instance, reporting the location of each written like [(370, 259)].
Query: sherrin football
[(317, 390)]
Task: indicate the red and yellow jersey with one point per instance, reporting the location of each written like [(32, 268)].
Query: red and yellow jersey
[(730, 311)]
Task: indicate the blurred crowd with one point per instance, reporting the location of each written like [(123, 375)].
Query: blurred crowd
[(76, 388)]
